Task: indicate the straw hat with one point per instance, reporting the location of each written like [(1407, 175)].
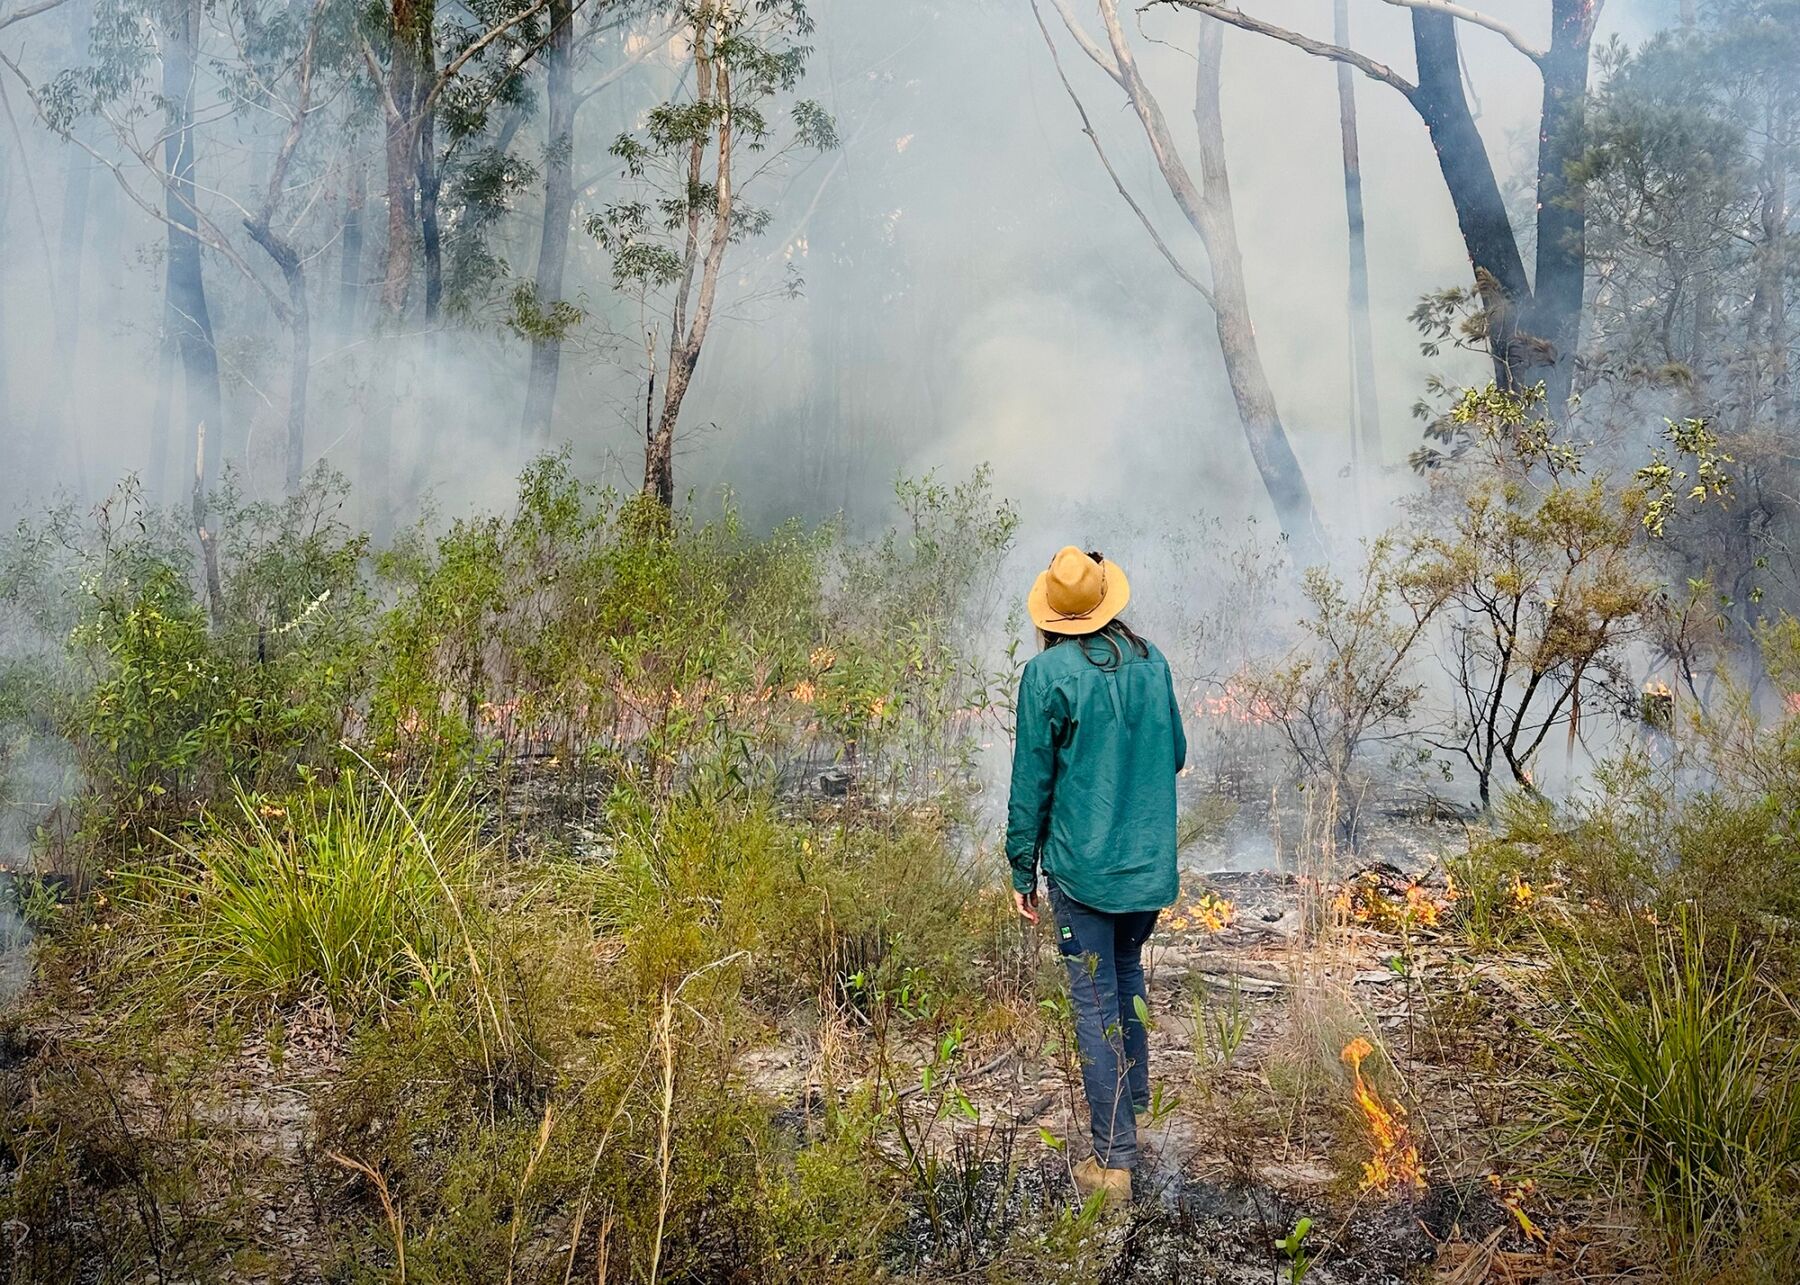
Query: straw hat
[(1078, 594)]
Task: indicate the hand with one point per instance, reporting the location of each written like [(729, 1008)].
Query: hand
[(1026, 904)]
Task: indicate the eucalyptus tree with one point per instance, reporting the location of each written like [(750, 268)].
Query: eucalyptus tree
[(110, 85), (687, 188), (1207, 206), (421, 65), (580, 60)]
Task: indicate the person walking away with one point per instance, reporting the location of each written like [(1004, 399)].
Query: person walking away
[(1098, 743)]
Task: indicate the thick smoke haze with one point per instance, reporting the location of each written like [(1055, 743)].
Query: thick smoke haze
[(973, 289)]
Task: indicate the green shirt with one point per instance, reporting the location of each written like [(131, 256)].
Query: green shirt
[(1095, 753)]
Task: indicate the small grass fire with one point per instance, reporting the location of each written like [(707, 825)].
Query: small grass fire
[(1393, 1165)]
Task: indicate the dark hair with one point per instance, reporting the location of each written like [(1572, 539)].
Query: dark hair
[(1116, 634)]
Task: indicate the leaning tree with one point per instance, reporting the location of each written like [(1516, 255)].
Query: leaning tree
[(1207, 206)]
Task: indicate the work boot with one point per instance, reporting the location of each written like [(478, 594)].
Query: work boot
[(1115, 1184)]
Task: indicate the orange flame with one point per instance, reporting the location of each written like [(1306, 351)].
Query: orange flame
[(1395, 1162), (1237, 705), (1214, 912)]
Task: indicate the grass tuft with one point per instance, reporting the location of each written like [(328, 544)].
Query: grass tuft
[(1689, 1088), (347, 894)]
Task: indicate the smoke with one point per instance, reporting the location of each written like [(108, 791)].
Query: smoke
[(973, 287)]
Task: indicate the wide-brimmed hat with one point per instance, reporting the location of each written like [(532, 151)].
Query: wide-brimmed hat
[(1078, 593)]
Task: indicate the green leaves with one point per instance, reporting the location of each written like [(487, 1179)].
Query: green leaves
[(1660, 480), (1293, 1248)]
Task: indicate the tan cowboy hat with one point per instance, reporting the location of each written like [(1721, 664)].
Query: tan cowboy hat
[(1078, 594)]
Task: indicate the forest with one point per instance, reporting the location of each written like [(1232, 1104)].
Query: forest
[(517, 522)]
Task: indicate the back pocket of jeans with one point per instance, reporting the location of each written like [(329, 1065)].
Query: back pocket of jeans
[(1065, 940)]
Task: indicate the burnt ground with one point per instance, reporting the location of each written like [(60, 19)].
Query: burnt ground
[(1261, 1130)]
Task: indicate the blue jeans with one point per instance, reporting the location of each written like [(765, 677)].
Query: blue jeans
[(1104, 953)]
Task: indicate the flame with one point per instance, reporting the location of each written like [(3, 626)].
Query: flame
[(1420, 907), (1364, 900), (1214, 912), (1395, 1162), (1211, 912), (1237, 705)]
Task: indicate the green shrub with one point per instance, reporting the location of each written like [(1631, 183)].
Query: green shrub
[(1690, 1090), (342, 892)]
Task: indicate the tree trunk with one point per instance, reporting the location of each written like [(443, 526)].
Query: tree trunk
[(401, 109), (1280, 471), (1554, 319), (430, 236), (1769, 375), (553, 241), (1366, 431), (202, 401), (1481, 215), (687, 337), (350, 266)]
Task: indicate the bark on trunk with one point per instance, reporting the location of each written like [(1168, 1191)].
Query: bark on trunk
[(430, 236), (202, 402), (293, 273), (1768, 305), (401, 104), (1554, 319), (1275, 461), (559, 205), (1481, 215), (1366, 439), (687, 335)]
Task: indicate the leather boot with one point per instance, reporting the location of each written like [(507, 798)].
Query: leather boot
[(1090, 1177)]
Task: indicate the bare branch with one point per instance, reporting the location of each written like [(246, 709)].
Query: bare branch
[(456, 64), (1474, 18), (1317, 48), (29, 11), (206, 232), (1089, 46), (1094, 138), (611, 76)]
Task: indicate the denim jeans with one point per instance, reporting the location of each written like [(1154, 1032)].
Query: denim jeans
[(1104, 954)]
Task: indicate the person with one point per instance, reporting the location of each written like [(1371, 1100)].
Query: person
[(1098, 743)]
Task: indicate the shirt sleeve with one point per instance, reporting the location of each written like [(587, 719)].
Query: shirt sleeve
[(1180, 732), (1033, 772)]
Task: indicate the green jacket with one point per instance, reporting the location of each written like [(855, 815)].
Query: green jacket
[(1095, 753)]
